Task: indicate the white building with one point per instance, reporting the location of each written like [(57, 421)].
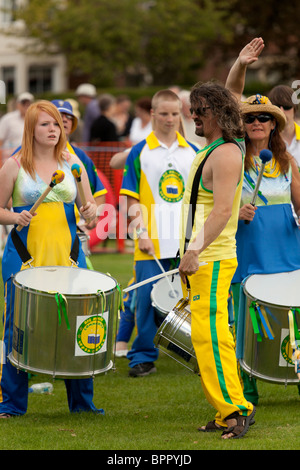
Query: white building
[(21, 71)]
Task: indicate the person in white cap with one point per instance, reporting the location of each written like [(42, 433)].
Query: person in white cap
[(86, 94), (12, 125)]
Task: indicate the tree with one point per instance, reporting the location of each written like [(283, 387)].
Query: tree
[(97, 37), (278, 24), (166, 39), (180, 36)]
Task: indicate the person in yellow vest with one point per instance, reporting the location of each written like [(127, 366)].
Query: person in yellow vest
[(209, 240)]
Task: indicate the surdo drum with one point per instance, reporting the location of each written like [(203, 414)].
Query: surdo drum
[(63, 321), (173, 337), (164, 296), (269, 322)]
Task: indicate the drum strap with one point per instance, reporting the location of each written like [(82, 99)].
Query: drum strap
[(20, 247), (75, 250), (25, 255), (195, 187)]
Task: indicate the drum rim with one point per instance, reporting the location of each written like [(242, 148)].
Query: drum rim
[(268, 304), (155, 286), (262, 301), (69, 295)]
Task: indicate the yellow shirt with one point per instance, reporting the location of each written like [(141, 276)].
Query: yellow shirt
[(224, 246)]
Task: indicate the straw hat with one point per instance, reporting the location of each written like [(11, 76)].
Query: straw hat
[(259, 103)]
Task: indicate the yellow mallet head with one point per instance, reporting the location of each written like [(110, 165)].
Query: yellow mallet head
[(76, 171)]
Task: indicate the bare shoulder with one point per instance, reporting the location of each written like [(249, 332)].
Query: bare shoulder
[(11, 166), (228, 154)]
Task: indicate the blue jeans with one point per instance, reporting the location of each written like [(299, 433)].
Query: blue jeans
[(127, 322), (143, 349)]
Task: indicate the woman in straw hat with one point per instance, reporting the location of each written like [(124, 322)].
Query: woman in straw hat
[(270, 241)]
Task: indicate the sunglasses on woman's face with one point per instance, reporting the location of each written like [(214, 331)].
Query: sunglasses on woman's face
[(250, 118)]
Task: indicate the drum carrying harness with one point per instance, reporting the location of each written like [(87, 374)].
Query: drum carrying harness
[(27, 258), (194, 193), (195, 187)]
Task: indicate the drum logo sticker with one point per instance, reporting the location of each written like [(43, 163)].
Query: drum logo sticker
[(171, 186), (91, 334), (286, 351)]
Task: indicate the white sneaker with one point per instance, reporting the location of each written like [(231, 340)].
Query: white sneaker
[(122, 353)]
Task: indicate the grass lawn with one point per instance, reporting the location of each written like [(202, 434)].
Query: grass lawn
[(158, 412)]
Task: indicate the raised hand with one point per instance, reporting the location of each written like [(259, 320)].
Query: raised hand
[(251, 51)]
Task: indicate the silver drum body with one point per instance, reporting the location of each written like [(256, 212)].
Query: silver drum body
[(63, 321), (270, 359), (165, 295), (174, 336), (85, 243)]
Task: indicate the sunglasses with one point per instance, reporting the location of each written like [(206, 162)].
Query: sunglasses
[(199, 111), (250, 118)]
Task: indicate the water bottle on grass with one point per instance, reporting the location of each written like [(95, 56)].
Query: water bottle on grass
[(45, 387)]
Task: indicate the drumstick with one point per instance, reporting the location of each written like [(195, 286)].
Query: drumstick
[(76, 171), (162, 270), (265, 156), (155, 278), (57, 178)]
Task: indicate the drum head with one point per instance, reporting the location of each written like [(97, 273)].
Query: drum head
[(280, 289), (165, 293), (65, 280)]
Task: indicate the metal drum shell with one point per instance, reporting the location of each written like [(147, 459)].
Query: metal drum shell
[(85, 243), (269, 360), (174, 337), (43, 346)]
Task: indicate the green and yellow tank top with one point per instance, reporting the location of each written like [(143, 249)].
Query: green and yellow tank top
[(224, 246)]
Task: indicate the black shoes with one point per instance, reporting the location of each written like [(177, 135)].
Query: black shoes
[(140, 370)]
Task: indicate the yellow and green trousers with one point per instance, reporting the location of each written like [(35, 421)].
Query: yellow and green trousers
[(212, 340)]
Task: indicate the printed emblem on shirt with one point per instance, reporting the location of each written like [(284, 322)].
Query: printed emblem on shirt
[(171, 186)]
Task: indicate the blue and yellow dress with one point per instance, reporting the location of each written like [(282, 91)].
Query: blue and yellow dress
[(49, 239), (269, 244)]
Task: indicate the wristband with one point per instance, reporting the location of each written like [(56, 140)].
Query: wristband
[(139, 231)]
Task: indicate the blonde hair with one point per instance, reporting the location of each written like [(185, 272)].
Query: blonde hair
[(26, 153), (165, 95)]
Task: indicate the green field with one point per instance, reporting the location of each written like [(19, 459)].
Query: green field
[(158, 412)]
